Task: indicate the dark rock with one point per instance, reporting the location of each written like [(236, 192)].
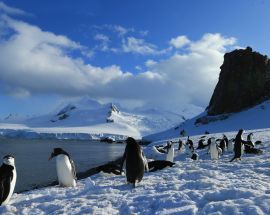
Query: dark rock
[(244, 82), (64, 116)]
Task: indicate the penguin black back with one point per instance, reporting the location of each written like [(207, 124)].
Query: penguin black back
[(135, 163), (6, 176), (238, 145), (159, 164)]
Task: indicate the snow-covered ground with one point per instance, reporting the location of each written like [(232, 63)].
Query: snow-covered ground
[(189, 187), (254, 118), (88, 119)]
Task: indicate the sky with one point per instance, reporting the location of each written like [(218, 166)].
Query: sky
[(152, 53)]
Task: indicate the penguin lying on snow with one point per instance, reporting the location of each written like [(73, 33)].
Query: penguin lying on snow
[(110, 169), (8, 177), (250, 146), (161, 149), (65, 168), (158, 165), (135, 161), (201, 144)]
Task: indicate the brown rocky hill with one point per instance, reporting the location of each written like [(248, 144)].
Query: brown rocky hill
[(244, 81)]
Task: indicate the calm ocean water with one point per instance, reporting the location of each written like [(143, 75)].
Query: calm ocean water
[(31, 158)]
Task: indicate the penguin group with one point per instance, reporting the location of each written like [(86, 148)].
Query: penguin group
[(133, 160)]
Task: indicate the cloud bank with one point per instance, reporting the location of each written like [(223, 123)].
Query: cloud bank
[(33, 61)]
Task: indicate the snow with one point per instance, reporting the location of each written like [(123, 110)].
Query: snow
[(189, 187), (115, 131), (253, 118), (88, 119)]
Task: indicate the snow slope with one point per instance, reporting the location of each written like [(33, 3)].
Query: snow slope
[(190, 187), (257, 117), (88, 119)]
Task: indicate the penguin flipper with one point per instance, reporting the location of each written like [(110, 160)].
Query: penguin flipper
[(73, 168), (6, 177)]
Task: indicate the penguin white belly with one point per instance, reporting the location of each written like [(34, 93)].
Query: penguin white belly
[(242, 149), (170, 155), (12, 186), (64, 171), (230, 146), (187, 149), (214, 152)]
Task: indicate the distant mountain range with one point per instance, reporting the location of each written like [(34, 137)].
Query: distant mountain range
[(104, 119)]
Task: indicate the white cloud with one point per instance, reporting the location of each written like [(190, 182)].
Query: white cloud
[(33, 61), (150, 63), (102, 37), (212, 41), (138, 46), (104, 40), (11, 10), (179, 41)]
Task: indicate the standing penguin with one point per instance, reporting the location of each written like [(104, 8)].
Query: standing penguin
[(65, 168), (135, 161), (215, 151), (238, 146), (170, 152), (231, 145), (180, 145), (8, 177), (225, 138)]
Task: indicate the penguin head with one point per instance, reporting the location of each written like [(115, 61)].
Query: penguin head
[(213, 140), (240, 132), (9, 160), (56, 152)]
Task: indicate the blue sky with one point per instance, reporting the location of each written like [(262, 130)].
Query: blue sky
[(153, 53)]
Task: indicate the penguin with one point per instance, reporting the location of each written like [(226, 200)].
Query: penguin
[(170, 153), (238, 146), (190, 142), (222, 145), (110, 169), (201, 144), (65, 168), (135, 161), (195, 156), (161, 149), (180, 145), (188, 149), (258, 142), (158, 165), (215, 151), (225, 138), (8, 177), (249, 140), (231, 145)]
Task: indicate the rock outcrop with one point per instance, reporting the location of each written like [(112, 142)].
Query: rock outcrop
[(244, 81)]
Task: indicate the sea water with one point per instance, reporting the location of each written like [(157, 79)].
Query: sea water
[(32, 164)]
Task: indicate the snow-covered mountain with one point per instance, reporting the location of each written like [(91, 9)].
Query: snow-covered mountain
[(14, 117), (257, 117), (87, 116)]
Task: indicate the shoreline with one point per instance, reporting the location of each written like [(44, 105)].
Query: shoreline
[(80, 176)]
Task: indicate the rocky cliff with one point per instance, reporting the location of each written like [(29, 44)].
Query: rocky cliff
[(244, 81)]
